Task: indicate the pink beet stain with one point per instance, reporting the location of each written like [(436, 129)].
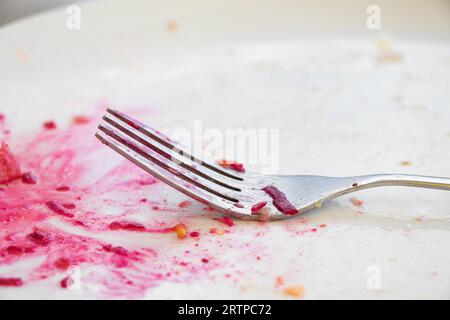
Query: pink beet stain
[(126, 226), (184, 204), (67, 186), (225, 220), (280, 201)]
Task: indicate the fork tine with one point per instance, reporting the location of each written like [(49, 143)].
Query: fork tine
[(169, 154), (148, 156), (164, 140)]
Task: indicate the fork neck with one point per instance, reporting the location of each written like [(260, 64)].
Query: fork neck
[(379, 180)]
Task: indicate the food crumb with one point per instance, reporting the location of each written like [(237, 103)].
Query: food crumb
[(180, 230), (49, 125), (172, 26), (294, 291), (405, 163), (216, 231)]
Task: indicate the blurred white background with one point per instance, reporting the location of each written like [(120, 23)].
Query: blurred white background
[(414, 19), (11, 10)]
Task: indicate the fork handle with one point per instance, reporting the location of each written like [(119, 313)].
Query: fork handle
[(407, 180)]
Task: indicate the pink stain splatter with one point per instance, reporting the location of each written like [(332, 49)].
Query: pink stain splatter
[(77, 183)]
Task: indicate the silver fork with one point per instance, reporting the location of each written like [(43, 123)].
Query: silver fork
[(233, 193)]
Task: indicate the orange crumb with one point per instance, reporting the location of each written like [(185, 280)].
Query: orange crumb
[(172, 25), (180, 230), (323, 225), (294, 291), (216, 231), (356, 201), (80, 120)]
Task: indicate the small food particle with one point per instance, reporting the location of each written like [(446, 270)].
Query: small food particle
[(280, 201), (172, 25), (11, 282), (258, 206), (204, 260), (357, 202), (294, 291), (28, 178), (180, 230), (39, 237), (238, 205), (128, 226), (62, 188), (69, 206), (184, 204), (216, 231), (233, 165), (314, 230), (14, 250), (49, 125), (323, 225), (66, 282), (195, 234), (405, 163), (355, 184), (9, 167), (58, 209), (80, 120), (279, 281)]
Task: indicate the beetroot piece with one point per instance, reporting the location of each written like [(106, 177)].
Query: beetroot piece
[(10, 282), (28, 178), (39, 237), (58, 209), (280, 201), (9, 167), (62, 188), (258, 206), (66, 282), (49, 125)]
